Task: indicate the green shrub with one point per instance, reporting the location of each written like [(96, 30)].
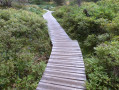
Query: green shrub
[(103, 70), (110, 4), (24, 49), (101, 20), (113, 27), (96, 75), (34, 8), (98, 36), (79, 26)]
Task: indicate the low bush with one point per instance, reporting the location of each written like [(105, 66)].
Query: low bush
[(103, 69), (96, 27), (78, 25), (34, 8), (24, 49)]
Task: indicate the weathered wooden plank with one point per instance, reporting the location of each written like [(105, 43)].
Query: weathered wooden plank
[(72, 66), (50, 86), (63, 67), (61, 38), (67, 43), (55, 40), (59, 35), (67, 53), (66, 59), (58, 32), (66, 64), (63, 81), (68, 70), (67, 75), (66, 48)]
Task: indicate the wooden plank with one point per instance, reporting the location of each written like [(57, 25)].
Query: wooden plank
[(72, 66), (60, 35), (67, 64), (57, 49), (66, 54), (63, 67), (80, 71), (63, 81), (50, 86), (66, 75), (67, 48), (60, 38), (69, 42), (63, 42), (58, 32), (63, 51), (73, 43), (66, 59), (55, 40), (68, 45)]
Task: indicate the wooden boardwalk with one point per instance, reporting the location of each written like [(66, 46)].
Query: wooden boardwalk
[(65, 69)]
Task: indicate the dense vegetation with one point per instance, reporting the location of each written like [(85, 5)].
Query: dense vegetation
[(96, 27), (24, 47)]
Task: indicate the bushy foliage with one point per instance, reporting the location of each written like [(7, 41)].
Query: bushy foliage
[(24, 49), (34, 8), (29, 7), (103, 70), (95, 25), (101, 20)]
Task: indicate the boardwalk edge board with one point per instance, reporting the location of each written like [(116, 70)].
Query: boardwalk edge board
[(65, 69)]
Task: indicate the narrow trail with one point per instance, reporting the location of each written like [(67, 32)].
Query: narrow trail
[(65, 69)]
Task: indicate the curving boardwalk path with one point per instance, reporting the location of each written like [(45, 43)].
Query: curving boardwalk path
[(65, 69)]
